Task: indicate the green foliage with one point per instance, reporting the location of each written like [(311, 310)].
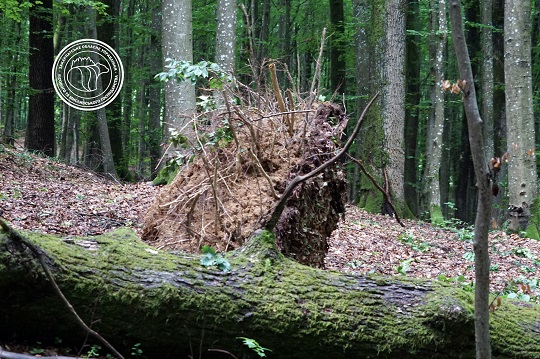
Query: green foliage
[(213, 259), (459, 280), (38, 350), (167, 174), (404, 266), (417, 245), (93, 351), (136, 350), (523, 289), (252, 344), (186, 71)]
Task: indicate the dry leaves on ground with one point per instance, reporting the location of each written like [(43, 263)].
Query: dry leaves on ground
[(368, 243), (45, 195)]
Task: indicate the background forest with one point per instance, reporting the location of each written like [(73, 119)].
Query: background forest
[(416, 137)]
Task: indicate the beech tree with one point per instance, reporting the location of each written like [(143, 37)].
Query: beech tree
[(177, 44), (393, 103), (434, 142), (519, 112)]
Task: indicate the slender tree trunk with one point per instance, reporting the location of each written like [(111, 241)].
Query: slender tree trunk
[(225, 41), (102, 126), (519, 112), (154, 91), (393, 94), (486, 79), (40, 126), (413, 97), (361, 15), (436, 119), (483, 178), (337, 61)]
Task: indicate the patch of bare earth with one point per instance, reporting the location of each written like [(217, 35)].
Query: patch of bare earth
[(45, 195), (368, 243)]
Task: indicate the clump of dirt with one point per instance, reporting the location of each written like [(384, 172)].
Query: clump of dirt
[(230, 187)]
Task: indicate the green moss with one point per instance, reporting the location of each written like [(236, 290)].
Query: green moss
[(167, 174), (534, 221), (436, 216)]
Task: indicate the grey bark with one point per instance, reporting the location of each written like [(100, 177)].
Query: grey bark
[(436, 118), (486, 77), (519, 112), (177, 44), (225, 41), (393, 98)]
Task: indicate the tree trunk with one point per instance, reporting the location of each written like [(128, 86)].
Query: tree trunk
[(225, 42), (413, 98), (102, 126), (486, 79), (177, 44), (337, 61), (519, 112), (434, 143), (169, 303), (483, 183), (154, 92), (393, 104), (40, 126)]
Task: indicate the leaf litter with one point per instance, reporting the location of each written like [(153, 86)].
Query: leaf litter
[(45, 195)]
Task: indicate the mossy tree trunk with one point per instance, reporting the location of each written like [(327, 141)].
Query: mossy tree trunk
[(169, 303)]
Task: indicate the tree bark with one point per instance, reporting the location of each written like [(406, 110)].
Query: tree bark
[(40, 126), (519, 113), (393, 101), (434, 143), (168, 302), (177, 44)]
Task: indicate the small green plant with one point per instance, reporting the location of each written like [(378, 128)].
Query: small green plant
[(524, 253), (186, 71), (37, 350), (404, 266), (416, 244), (252, 344), (355, 263), (212, 258), (136, 350), (523, 289), (93, 351), (469, 255), (459, 280)]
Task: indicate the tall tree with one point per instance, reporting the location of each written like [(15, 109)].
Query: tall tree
[(393, 105), (102, 126), (486, 78), (413, 97), (40, 126), (225, 39), (337, 62), (436, 117), (177, 44), (519, 112)]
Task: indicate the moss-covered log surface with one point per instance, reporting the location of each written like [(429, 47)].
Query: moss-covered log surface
[(169, 303)]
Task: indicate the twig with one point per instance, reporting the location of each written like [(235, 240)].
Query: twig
[(263, 172), (315, 76), (279, 97), (38, 253), (280, 205), (386, 194)]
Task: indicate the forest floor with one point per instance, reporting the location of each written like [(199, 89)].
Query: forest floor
[(45, 195)]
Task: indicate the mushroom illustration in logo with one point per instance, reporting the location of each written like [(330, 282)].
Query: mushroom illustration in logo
[(89, 73)]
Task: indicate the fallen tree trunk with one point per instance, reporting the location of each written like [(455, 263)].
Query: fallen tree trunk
[(132, 293)]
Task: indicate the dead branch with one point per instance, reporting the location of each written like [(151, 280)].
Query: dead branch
[(386, 195), (280, 205)]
